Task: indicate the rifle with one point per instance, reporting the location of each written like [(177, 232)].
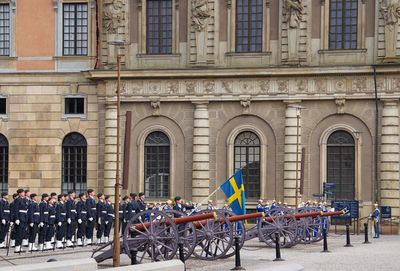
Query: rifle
[(10, 230)]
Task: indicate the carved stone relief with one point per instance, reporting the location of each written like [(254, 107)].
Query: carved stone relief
[(245, 102), (390, 10), (113, 15), (201, 16), (340, 102), (155, 105), (294, 11)]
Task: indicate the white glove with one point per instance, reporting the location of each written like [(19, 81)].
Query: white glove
[(41, 224), (80, 221), (59, 224), (31, 225), (69, 220), (17, 222), (11, 224), (3, 221), (106, 222), (90, 219), (124, 220), (99, 221)]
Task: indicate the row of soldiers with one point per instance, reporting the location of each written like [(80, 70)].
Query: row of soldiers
[(56, 221)]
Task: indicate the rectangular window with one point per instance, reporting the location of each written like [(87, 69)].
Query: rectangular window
[(343, 24), (4, 29), (75, 106), (75, 29), (249, 25), (159, 27), (3, 106)]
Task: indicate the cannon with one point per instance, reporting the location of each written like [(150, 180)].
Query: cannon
[(155, 235)]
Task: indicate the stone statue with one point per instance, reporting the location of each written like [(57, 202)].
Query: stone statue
[(294, 9), (201, 14), (390, 10), (113, 15)]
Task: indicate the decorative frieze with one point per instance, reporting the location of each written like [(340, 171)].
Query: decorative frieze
[(255, 87)]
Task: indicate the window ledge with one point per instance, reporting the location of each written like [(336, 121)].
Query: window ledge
[(158, 56), (249, 54), (74, 116), (8, 58), (344, 51), (73, 57), (4, 117)]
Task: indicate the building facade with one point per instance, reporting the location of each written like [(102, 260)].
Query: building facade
[(296, 93)]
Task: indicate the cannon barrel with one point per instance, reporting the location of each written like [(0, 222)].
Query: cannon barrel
[(180, 220)]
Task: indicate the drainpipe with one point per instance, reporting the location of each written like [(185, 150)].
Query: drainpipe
[(376, 181)]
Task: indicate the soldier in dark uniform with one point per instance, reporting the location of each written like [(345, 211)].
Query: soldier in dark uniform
[(53, 195), (26, 233), (52, 222), (33, 221), (131, 207), (122, 209), (20, 210), (61, 220), (109, 219), (4, 218), (91, 209), (12, 220), (180, 206), (101, 215), (44, 221), (141, 205), (71, 218), (81, 215)]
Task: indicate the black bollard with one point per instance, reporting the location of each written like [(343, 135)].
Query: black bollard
[(237, 254), (366, 234), (348, 236), (181, 255), (324, 234), (277, 249), (133, 256)]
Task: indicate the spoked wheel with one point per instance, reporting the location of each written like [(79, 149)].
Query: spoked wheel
[(214, 237), (282, 221), (153, 235), (310, 228), (237, 229), (186, 233)]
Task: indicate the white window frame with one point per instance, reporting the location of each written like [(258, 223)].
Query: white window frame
[(85, 107)]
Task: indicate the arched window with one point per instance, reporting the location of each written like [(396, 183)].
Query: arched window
[(159, 27), (343, 24), (3, 164), (247, 158), (156, 165), (74, 163), (341, 164), (249, 25)]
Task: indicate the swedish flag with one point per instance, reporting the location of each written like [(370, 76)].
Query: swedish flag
[(233, 189)]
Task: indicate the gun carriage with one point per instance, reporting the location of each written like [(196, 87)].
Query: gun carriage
[(209, 235)]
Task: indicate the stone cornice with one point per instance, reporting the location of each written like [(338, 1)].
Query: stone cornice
[(242, 72)]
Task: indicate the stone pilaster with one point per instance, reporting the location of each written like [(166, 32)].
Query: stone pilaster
[(110, 150), (201, 153), (389, 177), (292, 138)]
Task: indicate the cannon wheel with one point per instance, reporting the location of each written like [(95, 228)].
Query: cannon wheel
[(186, 233), (214, 237), (310, 228), (156, 242), (282, 222), (238, 230)]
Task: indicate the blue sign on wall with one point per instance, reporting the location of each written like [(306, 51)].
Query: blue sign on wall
[(351, 205), (386, 212)]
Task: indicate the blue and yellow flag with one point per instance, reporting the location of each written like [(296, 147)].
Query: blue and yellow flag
[(233, 189)]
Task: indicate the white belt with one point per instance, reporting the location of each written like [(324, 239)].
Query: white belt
[(46, 213), (23, 211), (84, 212), (36, 213), (6, 211), (63, 213), (104, 212), (52, 216), (93, 208), (111, 215), (120, 212), (73, 211)]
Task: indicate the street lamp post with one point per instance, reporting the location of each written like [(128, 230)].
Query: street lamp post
[(117, 244)]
